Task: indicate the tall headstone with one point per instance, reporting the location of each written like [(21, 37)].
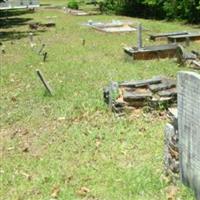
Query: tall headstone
[(189, 129)]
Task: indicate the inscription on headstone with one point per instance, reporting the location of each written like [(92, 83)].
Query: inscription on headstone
[(189, 129)]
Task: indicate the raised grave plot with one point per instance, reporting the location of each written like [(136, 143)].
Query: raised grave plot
[(80, 12), (152, 52), (164, 36), (182, 38), (134, 94), (116, 26), (19, 4), (117, 29)]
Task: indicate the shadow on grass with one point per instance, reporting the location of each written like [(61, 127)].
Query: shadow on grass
[(14, 12), (16, 35), (45, 4), (12, 22)]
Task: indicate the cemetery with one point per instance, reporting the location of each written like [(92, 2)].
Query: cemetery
[(82, 119)]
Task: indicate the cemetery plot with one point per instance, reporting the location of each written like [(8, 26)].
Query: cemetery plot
[(152, 52), (136, 94), (182, 38), (164, 36), (18, 4), (79, 12), (116, 26)]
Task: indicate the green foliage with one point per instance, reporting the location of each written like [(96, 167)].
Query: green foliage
[(170, 9), (73, 4)]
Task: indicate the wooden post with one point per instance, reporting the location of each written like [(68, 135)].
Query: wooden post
[(31, 37), (44, 56), (45, 83), (41, 49), (139, 36), (83, 42)]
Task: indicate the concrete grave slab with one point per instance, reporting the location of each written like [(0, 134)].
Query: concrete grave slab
[(183, 38), (152, 52), (164, 36), (116, 26)]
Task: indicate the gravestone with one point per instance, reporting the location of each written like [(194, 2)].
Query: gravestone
[(189, 129)]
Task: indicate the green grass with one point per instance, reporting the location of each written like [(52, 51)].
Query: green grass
[(71, 140)]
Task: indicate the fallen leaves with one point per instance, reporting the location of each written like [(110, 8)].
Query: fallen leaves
[(171, 192), (55, 192), (83, 191)]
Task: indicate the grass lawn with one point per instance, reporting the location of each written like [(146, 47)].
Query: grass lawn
[(70, 146)]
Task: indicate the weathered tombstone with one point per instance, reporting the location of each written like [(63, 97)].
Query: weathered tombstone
[(189, 129)]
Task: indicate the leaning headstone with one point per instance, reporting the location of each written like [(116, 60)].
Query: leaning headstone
[(189, 129)]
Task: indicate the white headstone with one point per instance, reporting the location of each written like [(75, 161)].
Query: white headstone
[(189, 129)]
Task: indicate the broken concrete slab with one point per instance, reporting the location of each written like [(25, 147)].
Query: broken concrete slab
[(165, 85), (141, 83), (134, 94)]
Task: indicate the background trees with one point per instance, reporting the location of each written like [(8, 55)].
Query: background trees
[(171, 9)]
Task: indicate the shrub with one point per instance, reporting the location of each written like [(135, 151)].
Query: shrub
[(73, 4)]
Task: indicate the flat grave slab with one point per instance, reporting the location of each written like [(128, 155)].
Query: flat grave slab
[(183, 38), (137, 94), (118, 29), (152, 52), (16, 4), (80, 12), (116, 26), (164, 36)]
